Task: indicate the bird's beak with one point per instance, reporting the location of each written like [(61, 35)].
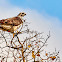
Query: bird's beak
[(25, 14)]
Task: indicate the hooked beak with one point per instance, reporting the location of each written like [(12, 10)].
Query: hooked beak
[(25, 14)]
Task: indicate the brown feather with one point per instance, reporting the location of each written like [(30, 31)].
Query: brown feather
[(15, 21), (10, 24)]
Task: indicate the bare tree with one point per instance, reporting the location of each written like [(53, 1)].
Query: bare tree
[(25, 46)]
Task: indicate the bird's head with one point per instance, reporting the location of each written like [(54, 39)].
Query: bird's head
[(22, 14)]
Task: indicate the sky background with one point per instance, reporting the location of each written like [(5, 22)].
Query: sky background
[(51, 7), (43, 15)]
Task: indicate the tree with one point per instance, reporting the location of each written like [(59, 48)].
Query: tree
[(25, 46)]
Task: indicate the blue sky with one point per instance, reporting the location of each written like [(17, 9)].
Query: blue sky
[(51, 7)]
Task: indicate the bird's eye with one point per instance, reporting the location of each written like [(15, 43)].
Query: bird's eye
[(22, 13)]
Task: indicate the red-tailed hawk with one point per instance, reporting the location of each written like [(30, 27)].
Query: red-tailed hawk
[(12, 24)]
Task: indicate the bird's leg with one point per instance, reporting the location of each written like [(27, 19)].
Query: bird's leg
[(12, 30), (13, 35)]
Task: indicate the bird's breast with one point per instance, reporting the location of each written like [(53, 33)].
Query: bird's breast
[(16, 27)]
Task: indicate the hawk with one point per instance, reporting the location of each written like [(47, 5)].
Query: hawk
[(12, 24)]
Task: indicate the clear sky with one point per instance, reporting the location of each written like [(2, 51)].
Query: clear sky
[(51, 7)]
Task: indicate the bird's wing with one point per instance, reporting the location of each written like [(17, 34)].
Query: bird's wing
[(15, 21)]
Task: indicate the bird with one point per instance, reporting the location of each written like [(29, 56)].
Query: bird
[(13, 23)]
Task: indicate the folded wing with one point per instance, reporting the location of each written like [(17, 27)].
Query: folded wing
[(15, 21)]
